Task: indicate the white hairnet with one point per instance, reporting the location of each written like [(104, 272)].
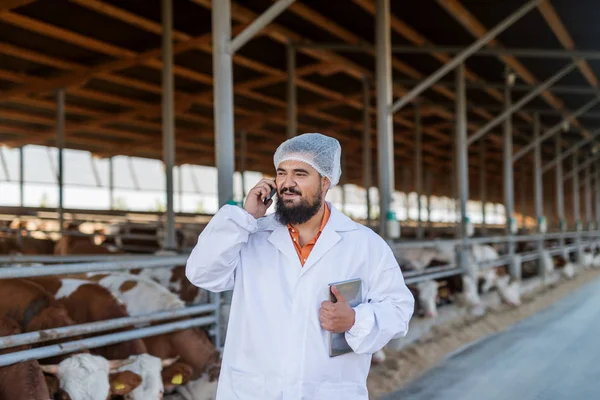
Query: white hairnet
[(321, 152)]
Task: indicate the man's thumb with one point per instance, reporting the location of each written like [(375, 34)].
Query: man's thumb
[(337, 294)]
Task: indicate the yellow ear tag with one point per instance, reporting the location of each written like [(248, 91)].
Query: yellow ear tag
[(177, 379), (118, 386)]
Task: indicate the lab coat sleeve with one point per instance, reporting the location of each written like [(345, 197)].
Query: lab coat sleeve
[(213, 261), (386, 313)]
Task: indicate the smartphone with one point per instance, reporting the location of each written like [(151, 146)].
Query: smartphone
[(270, 196)]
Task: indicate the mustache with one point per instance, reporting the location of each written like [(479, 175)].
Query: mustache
[(290, 190)]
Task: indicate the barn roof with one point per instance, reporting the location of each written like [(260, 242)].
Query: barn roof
[(106, 54)]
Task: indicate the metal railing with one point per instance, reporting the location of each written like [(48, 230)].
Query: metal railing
[(451, 269), (206, 315), (121, 263)]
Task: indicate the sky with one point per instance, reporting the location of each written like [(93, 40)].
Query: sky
[(139, 186)]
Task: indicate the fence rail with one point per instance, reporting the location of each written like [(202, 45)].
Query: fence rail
[(101, 263), (101, 326)]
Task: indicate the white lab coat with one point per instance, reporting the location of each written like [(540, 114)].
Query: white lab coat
[(275, 347)]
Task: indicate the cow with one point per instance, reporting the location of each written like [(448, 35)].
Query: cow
[(34, 246), (566, 267), (87, 301), (72, 243), (174, 279), (91, 377), (428, 294), (9, 246), (193, 346), (24, 380), (34, 307)]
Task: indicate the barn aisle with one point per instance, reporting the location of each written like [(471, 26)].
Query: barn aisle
[(550, 356)]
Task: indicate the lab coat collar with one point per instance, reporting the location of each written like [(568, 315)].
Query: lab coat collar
[(280, 237)]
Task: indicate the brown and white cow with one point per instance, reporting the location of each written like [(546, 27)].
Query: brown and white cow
[(174, 279), (87, 301), (192, 346), (73, 242), (91, 377), (23, 380)]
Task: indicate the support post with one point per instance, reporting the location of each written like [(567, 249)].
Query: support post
[(523, 198), (576, 216), (588, 196), (597, 194), (537, 179), (508, 183), (385, 143), (419, 170), (462, 163), (454, 186), (367, 162), (22, 176), (292, 98), (429, 189), (168, 117), (180, 187), (111, 183), (243, 156), (224, 134), (60, 144), (560, 206), (223, 99), (482, 185)]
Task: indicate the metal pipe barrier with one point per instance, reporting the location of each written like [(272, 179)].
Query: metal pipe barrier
[(98, 341), (117, 263), (48, 259), (101, 326), (60, 269)]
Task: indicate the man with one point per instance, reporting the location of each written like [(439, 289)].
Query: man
[(280, 267)]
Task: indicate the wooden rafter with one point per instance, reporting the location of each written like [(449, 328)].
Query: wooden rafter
[(327, 63), (472, 25), (555, 23), (113, 50), (330, 26)]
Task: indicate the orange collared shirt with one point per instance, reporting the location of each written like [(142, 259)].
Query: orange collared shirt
[(304, 251)]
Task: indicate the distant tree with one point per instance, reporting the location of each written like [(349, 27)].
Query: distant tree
[(200, 207), (158, 206), (119, 204), (44, 200)]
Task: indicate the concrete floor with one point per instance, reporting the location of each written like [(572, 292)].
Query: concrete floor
[(554, 355)]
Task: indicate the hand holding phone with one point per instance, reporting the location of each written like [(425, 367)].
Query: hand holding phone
[(259, 198), (270, 196)]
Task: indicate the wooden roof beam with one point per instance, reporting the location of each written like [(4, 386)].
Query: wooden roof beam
[(84, 74), (472, 25), (283, 35), (7, 5), (560, 31), (333, 28)]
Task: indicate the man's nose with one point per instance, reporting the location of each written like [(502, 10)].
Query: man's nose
[(287, 182)]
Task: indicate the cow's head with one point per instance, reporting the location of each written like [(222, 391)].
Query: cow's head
[(427, 295), (90, 377)]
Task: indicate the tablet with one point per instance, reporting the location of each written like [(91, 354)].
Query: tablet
[(351, 290)]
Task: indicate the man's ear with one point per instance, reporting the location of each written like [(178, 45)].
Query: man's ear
[(325, 184)]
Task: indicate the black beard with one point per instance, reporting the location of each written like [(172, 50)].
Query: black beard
[(296, 215)]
